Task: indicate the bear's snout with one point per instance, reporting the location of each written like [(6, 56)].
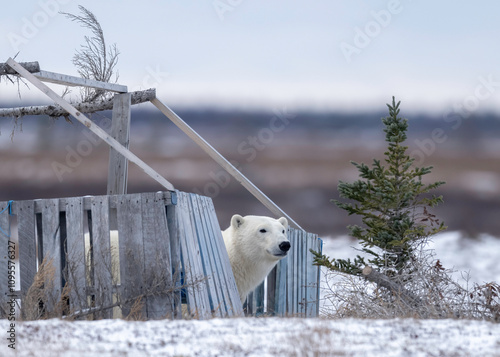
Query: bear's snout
[(285, 246)]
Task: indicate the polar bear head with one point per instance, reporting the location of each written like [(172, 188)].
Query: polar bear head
[(259, 237), (254, 245)]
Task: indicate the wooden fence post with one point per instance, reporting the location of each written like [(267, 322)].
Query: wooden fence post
[(120, 131)]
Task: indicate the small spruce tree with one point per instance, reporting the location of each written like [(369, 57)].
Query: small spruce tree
[(393, 203)]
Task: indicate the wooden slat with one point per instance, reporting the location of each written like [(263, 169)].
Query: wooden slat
[(312, 283), (319, 247), (281, 294), (27, 243), (218, 259), (249, 304), (75, 255), (188, 270), (101, 249), (300, 274), (271, 291), (289, 276), (209, 269), (213, 239), (51, 247), (259, 297), (63, 79), (198, 300), (233, 302), (222, 161), (120, 130), (157, 265), (91, 125), (222, 302), (174, 231), (131, 252), (4, 247)]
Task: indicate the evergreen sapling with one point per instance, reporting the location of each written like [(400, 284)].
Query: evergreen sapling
[(393, 203)]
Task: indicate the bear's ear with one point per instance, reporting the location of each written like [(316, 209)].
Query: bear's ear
[(284, 222), (237, 221)]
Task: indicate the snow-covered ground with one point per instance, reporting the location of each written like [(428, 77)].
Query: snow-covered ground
[(282, 336), (258, 337)]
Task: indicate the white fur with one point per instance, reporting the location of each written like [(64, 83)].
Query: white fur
[(252, 252)]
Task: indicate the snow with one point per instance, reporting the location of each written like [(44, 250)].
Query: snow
[(257, 337), (472, 258), (282, 336)]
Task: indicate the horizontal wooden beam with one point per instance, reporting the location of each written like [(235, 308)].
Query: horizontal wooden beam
[(66, 80), (168, 198), (90, 125), (57, 111), (222, 161)]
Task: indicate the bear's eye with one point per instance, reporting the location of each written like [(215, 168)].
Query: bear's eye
[(262, 230), (283, 231)]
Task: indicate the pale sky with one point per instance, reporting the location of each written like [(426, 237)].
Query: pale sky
[(321, 54)]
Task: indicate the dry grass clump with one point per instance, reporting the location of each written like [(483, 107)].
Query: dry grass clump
[(437, 295)]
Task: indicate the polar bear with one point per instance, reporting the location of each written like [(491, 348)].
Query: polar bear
[(254, 244)]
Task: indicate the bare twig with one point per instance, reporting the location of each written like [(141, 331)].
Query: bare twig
[(95, 60)]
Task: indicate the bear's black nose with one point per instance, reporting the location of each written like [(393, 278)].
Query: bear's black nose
[(285, 246)]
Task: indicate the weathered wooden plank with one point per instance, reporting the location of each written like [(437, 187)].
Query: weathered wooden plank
[(233, 298), (296, 274), (209, 269), (131, 254), (281, 295), (222, 161), (101, 254), (223, 305), (157, 265), (75, 255), (51, 248), (249, 304), (120, 130), (63, 79), (213, 242), (4, 256), (291, 278), (301, 286), (91, 125), (319, 247), (271, 291), (198, 301), (259, 296), (174, 232), (312, 283), (188, 270), (27, 243)]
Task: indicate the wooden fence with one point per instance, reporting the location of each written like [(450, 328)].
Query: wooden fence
[(292, 288), (168, 260)]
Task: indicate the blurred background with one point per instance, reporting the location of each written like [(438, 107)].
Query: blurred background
[(289, 92)]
